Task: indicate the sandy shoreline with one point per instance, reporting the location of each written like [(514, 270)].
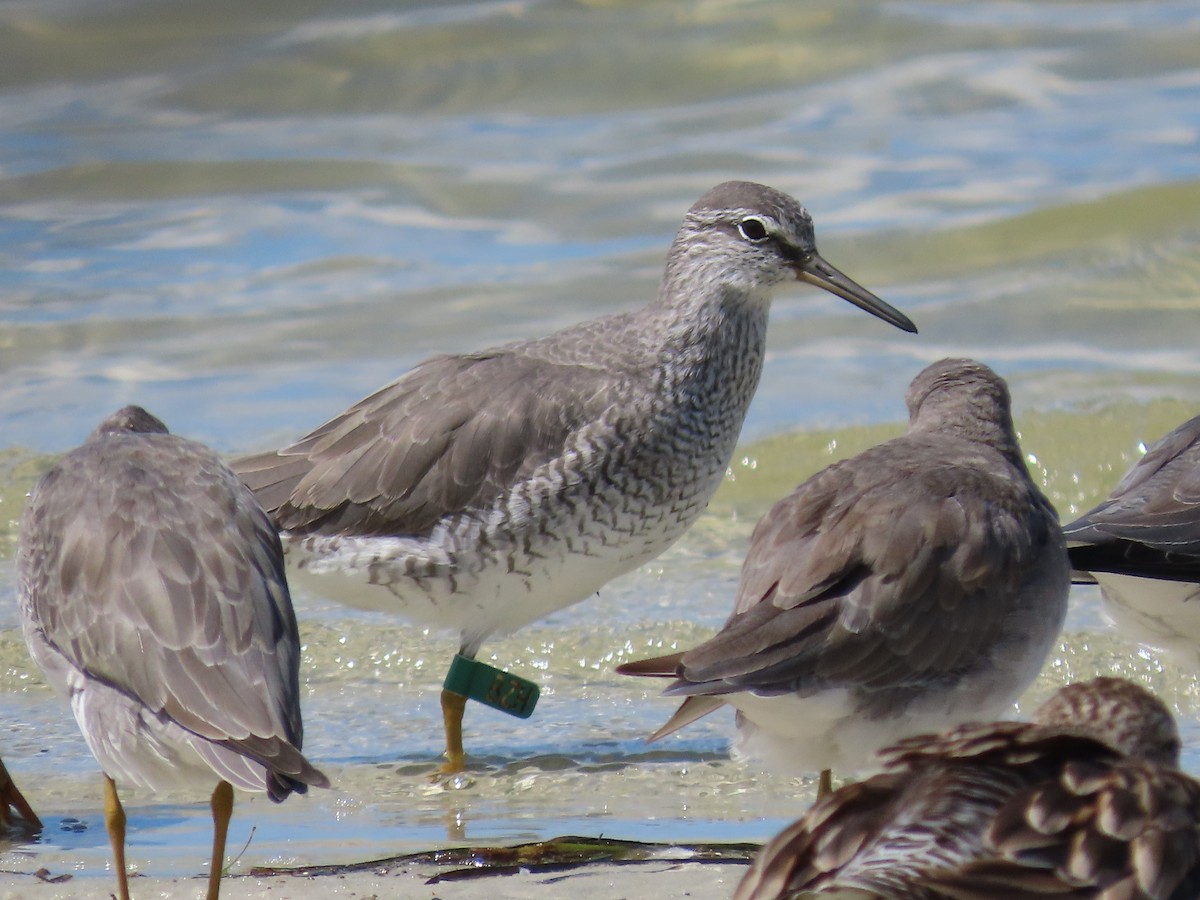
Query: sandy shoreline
[(665, 879)]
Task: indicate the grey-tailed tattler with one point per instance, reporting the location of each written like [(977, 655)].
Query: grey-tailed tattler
[(482, 491), (153, 596), (918, 584)]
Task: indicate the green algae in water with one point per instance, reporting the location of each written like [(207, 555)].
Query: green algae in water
[(1076, 456), (19, 471)]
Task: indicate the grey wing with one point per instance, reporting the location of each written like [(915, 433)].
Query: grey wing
[(1150, 524), (153, 569), (428, 445), (1182, 443), (1128, 829), (846, 579)]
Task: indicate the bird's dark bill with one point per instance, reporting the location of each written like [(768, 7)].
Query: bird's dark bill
[(816, 271)]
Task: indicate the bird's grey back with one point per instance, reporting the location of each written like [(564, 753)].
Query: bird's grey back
[(145, 564), (845, 575)]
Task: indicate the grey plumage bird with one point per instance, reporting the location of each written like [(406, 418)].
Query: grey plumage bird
[(153, 597), (1085, 802), (483, 491), (915, 585), (1142, 546)]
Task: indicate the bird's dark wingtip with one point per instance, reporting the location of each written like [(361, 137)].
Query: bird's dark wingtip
[(655, 667)]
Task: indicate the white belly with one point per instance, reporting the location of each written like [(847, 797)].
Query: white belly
[(796, 735), (475, 593), (830, 729), (1164, 615)]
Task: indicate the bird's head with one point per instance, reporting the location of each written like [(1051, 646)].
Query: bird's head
[(748, 239)]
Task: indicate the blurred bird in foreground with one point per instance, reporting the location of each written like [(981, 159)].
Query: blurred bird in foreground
[(1142, 546), (916, 585), (153, 597), (1085, 802), (484, 491)]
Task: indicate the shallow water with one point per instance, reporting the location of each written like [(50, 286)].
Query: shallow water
[(247, 216)]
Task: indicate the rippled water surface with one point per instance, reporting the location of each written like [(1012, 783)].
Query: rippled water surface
[(247, 216)]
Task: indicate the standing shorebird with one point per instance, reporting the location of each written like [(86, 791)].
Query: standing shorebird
[(153, 596), (481, 492), (1142, 546), (1087, 801), (916, 585)]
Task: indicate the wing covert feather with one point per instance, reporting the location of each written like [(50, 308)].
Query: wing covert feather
[(423, 447), (170, 586), (839, 574), (1156, 504)]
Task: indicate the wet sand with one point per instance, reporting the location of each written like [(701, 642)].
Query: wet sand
[(660, 879)]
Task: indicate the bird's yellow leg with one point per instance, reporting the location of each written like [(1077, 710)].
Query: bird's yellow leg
[(114, 821), (825, 784), (222, 812), (453, 707), (10, 796)]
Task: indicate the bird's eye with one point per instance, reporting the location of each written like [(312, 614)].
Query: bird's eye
[(753, 229)]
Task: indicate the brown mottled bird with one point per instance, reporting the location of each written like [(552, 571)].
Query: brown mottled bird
[(918, 584), (1085, 802), (153, 597), (483, 491), (1142, 546)]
